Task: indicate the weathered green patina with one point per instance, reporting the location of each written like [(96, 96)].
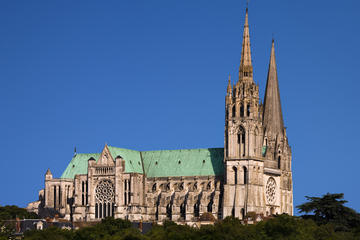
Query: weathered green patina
[(79, 164), (132, 159), (185, 162), (164, 163)]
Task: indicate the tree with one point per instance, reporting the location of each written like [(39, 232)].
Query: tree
[(12, 212), (330, 209)]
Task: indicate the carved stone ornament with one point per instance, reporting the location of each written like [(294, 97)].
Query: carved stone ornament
[(270, 190), (105, 192)]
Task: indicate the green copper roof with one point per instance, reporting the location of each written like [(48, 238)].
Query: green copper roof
[(79, 164), (186, 162), (164, 163), (132, 158)]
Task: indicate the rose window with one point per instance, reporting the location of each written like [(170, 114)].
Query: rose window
[(270, 190), (104, 192)]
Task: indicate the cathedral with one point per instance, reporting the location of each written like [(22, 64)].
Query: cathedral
[(251, 175)]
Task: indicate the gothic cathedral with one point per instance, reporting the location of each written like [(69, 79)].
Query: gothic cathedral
[(250, 177)]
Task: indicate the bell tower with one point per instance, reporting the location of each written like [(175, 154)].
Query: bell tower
[(243, 139)]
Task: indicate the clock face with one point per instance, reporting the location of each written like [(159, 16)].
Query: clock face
[(270, 190)]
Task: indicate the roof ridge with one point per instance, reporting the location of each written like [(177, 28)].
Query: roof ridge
[(204, 148)]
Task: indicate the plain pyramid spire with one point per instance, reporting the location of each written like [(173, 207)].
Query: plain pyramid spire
[(246, 69), (272, 117)]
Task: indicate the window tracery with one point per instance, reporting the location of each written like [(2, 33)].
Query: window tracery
[(104, 197), (271, 190)]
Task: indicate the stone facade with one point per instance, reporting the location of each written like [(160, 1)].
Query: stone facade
[(250, 175)]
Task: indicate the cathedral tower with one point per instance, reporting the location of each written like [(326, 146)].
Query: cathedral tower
[(276, 149), (243, 139), (257, 156)]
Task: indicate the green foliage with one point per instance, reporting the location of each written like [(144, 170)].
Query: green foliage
[(281, 227), (327, 219), (52, 233), (108, 229), (330, 209), (11, 212)]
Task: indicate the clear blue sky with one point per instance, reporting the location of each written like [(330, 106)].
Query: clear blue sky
[(151, 75)]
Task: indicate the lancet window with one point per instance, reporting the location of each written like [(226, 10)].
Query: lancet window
[(197, 209), (279, 162), (183, 210), (84, 193), (245, 175), (169, 211), (235, 175), (241, 141), (127, 191)]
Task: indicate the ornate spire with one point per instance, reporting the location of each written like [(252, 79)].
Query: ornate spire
[(229, 86), (272, 117), (246, 69)]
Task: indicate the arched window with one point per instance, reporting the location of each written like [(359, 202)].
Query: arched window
[(233, 212), (183, 210), (157, 207), (235, 175), (82, 195), (243, 214), (241, 141), (169, 211), (226, 145), (55, 197), (197, 209), (209, 206), (279, 162), (256, 133), (96, 211), (60, 196), (233, 111), (241, 110), (154, 187), (245, 175), (248, 110), (127, 191), (104, 199)]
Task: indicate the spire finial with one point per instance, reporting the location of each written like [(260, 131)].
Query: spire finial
[(246, 69), (75, 151)]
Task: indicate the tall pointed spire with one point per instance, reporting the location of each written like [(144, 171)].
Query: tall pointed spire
[(229, 86), (246, 69), (272, 118)]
